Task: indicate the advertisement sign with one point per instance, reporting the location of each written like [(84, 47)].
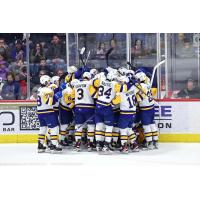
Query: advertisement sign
[(19, 121), (178, 117), (176, 121)]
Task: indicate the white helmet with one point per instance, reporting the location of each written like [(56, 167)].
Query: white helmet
[(45, 80), (141, 76), (86, 75), (110, 76), (130, 72), (55, 80), (122, 71), (93, 72), (74, 82), (71, 69), (109, 69), (122, 79)]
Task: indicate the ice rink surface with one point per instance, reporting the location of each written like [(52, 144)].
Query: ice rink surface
[(171, 172), (168, 153)]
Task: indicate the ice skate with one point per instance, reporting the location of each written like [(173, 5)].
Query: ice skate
[(155, 144), (89, 146), (54, 149), (106, 149), (147, 146), (78, 146), (98, 146), (124, 149), (135, 147), (63, 144), (41, 148)]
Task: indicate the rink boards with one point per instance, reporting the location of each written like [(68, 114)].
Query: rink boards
[(177, 121)]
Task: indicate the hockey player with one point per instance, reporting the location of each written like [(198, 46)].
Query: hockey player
[(84, 109), (146, 107), (107, 89), (46, 116), (115, 132), (65, 112), (55, 87), (127, 114)]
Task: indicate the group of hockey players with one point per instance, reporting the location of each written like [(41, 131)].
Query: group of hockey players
[(106, 111)]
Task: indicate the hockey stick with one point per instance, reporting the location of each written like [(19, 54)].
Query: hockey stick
[(132, 67), (154, 70), (81, 55), (107, 54), (146, 94), (81, 124), (87, 58)]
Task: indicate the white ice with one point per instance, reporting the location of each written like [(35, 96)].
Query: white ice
[(168, 153)]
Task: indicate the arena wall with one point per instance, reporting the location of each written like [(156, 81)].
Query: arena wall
[(177, 121)]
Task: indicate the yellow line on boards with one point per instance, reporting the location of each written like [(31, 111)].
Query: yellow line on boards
[(32, 138)]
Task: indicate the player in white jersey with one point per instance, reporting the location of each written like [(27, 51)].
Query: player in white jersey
[(84, 109), (104, 117), (147, 112), (55, 87), (46, 115), (127, 115), (65, 113)]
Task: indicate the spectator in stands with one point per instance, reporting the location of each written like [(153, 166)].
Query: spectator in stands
[(191, 90), (138, 49), (115, 55), (23, 82), (37, 54), (187, 50), (18, 52), (4, 49), (44, 47), (35, 70), (101, 51), (3, 68), (17, 66), (11, 89), (56, 52), (35, 80), (34, 94), (59, 72), (44, 66)]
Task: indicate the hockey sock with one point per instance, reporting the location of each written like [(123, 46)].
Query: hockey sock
[(54, 135), (100, 132), (115, 134), (147, 133), (90, 132), (131, 136), (123, 135), (154, 132), (63, 131), (78, 132), (41, 135), (108, 133)]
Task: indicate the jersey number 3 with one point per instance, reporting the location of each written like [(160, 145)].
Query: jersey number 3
[(80, 93)]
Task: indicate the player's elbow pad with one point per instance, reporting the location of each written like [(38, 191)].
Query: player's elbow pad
[(116, 100), (96, 83), (92, 91)]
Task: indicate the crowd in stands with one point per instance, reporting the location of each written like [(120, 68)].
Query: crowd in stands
[(46, 57)]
